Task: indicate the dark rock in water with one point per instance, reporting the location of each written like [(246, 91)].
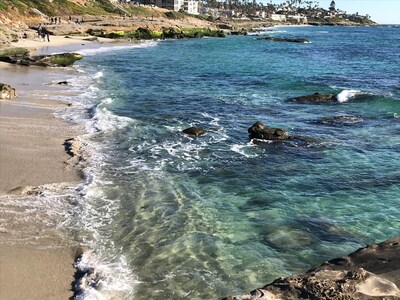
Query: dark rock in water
[(62, 83), (289, 40), (7, 92), (316, 98), (339, 120), (372, 272), (259, 131), (195, 131), (55, 60)]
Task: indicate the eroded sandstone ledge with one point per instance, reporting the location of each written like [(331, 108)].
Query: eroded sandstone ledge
[(372, 272)]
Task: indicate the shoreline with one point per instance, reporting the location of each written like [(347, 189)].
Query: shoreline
[(61, 254), (35, 159)]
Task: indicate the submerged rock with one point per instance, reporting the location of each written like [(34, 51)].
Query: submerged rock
[(259, 131), (372, 272), (195, 131), (316, 98), (7, 92), (289, 40), (339, 120)]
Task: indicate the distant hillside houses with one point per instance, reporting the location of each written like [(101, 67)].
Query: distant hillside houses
[(292, 11), (188, 6)]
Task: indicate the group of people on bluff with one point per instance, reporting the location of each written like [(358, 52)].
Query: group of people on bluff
[(44, 34)]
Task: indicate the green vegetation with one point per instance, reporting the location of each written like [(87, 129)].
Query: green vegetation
[(65, 59), (61, 7), (140, 11), (3, 6), (14, 52), (173, 15), (167, 33)]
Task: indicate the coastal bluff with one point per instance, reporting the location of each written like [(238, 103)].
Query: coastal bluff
[(372, 272)]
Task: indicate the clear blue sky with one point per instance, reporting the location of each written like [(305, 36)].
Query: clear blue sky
[(381, 11)]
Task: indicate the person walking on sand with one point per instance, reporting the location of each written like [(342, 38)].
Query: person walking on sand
[(48, 36)]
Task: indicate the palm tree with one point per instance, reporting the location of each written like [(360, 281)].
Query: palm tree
[(332, 6)]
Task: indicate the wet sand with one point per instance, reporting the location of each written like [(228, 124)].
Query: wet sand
[(36, 261)]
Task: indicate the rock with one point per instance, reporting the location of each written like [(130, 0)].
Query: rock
[(339, 120), (372, 272), (74, 149), (259, 131), (195, 131), (316, 98), (7, 92), (289, 40), (55, 60), (92, 39), (62, 82)]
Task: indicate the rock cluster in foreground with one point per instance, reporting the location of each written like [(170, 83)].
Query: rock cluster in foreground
[(7, 92), (372, 272), (21, 56)]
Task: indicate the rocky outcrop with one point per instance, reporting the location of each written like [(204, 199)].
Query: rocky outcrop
[(316, 98), (289, 40), (259, 131), (7, 92), (372, 272), (194, 131), (22, 57)]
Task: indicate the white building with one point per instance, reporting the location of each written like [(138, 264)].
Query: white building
[(191, 7), (278, 17), (175, 5), (298, 18), (188, 6)]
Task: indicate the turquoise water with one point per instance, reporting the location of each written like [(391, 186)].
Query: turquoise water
[(174, 217)]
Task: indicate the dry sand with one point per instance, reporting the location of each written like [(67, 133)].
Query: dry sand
[(31, 273), (36, 262)]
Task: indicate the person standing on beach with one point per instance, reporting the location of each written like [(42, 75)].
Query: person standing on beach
[(39, 31), (48, 36)]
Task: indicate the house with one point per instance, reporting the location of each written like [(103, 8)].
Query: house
[(175, 5), (298, 18), (278, 17), (188, 6), (191, 7)]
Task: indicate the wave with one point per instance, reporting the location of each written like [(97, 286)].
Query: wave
[(102, 280), (94, 51), (243, 149), (346, 95), (106, 121), (103, 270)]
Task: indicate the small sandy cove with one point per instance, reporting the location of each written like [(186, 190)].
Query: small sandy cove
[(36, 262)]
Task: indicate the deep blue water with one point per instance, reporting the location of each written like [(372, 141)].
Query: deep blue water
[(175, 217)]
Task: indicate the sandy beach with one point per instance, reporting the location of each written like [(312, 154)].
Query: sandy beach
[(36, 261)]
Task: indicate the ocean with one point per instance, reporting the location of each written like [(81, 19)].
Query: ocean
[(170, 216)]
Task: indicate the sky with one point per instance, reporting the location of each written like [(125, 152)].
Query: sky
[(381, 11)]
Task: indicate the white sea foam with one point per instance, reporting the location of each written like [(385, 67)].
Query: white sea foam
[(105, 120), (244, 149), (94, 51), (107, 101), (346, 95), (112, 277), (98, 75), (103, 280)]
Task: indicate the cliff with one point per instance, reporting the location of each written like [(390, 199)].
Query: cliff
[(19, 17)]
